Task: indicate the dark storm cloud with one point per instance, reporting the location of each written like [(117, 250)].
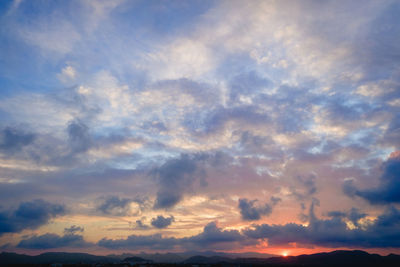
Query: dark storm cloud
[(211, 235), (48, 241), (175, 177), (12, 139), (29, 215), (386, 192), (73, 230), (162, 222), (251, 212), (383, 232)]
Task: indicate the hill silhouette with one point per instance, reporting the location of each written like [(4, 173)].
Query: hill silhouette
[(53, 257), (334, 258)]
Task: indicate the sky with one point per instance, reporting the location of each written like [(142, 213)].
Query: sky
[(162, 126)]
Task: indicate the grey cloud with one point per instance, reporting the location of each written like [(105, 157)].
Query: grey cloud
[(247, 139), (259, 144), (140, 225), (155, 125), (79, 136), (203, 93), (162, 222), (156, 241), (386, 192), (246, 115), (354, 215), (250, 212), (275, 200), (384, 232), (92, 181), (392, 134), (12, 139), (211, 236), (175, 177), (114, 205), (333, 232), (73, 230), (29, 215), (48, 241), (247, 83), (380, 57), (309, 184)]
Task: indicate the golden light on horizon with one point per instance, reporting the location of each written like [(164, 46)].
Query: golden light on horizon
[(285, 254)]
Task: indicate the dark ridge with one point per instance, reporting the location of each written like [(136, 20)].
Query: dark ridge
[(334, 258), (53, 257), (137, 260), (162, 257), (208, 260)]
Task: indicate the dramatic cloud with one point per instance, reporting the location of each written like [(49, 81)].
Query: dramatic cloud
[(250, 212), (354, 215), (135, 242), (211, 236), (175, 178), (162, 222), (387, 191), (151, 117), (117, 206), (29, 215), (334, 232), (48, 241)]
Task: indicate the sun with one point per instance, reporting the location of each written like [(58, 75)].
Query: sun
[(285, 254)]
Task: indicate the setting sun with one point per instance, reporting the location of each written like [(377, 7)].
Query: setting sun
[(285, 254)]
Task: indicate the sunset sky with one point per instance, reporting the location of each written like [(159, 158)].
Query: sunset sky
[(162, 126)]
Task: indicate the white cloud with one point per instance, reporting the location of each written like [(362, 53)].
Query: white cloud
[(51, 34), (68, 73)]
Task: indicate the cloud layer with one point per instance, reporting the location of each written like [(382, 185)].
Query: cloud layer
[(145, 123)]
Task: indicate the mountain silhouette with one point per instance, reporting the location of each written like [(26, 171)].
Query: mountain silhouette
[(334, 258), (53, 257)]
